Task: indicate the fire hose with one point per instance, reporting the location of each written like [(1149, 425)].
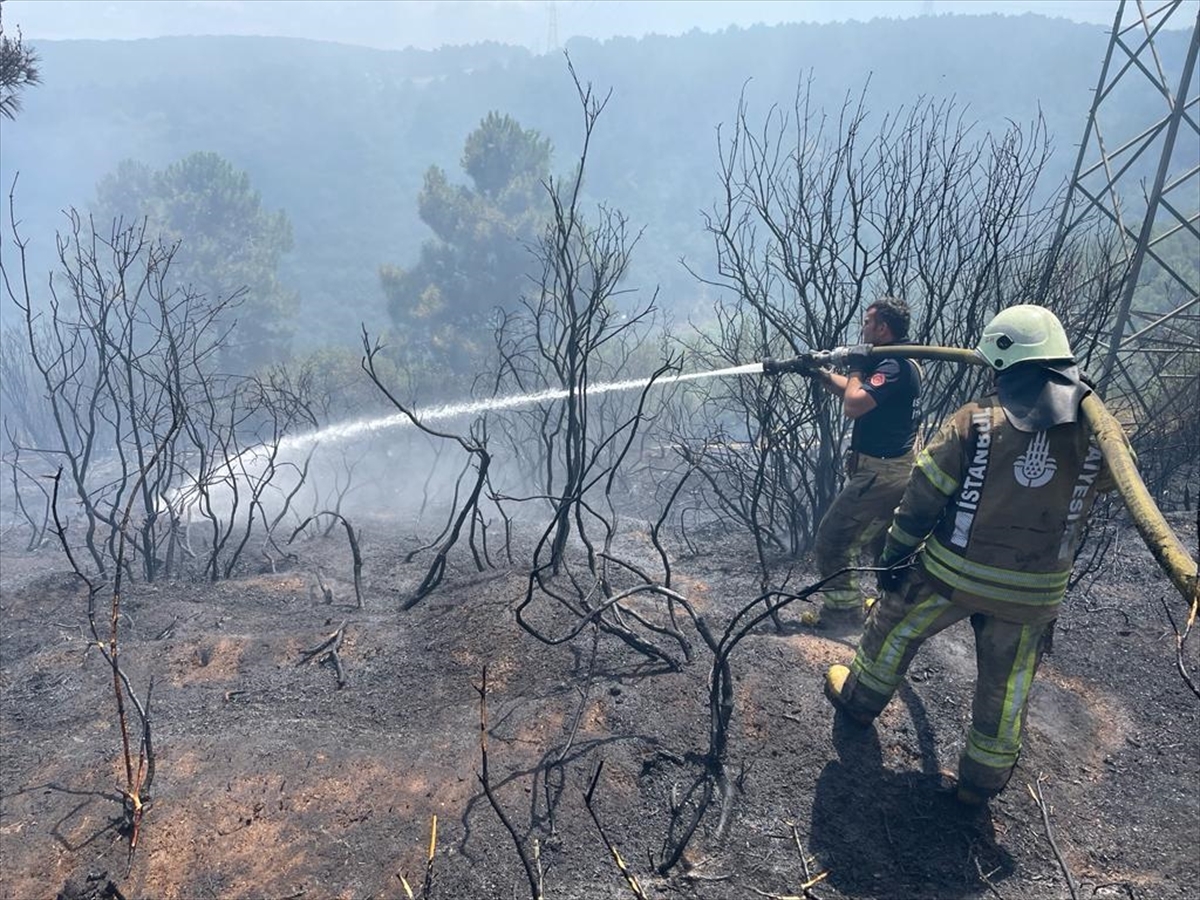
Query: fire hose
[(1161, 540)]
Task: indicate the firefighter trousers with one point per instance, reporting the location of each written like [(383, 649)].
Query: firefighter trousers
[(856, 524), (1007, 655)]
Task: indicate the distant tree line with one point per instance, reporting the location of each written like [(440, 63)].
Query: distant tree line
[(341, 138)]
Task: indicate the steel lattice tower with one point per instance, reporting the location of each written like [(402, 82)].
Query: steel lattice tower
[(1152, 359)]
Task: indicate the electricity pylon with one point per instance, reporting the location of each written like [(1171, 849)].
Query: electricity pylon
[(551, 26), (1152, 359)]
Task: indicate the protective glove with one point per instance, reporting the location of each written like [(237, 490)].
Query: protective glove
[(893, 568), (889, 580), (858, 357)]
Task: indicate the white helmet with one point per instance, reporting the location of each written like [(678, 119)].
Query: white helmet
[(1021, 334)]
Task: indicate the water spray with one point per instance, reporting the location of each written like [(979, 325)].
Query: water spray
[(513, 401), (255, 459)]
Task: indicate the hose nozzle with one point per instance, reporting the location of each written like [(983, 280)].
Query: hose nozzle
[(812, 361), (797, 364)]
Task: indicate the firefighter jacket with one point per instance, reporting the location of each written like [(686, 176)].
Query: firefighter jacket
[(999, 511)]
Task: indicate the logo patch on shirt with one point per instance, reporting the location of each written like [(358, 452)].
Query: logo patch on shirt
[(1035, 467), (878, 379)]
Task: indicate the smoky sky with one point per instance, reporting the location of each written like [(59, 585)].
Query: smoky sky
[(428, 24)]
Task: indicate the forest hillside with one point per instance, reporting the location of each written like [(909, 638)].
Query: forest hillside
[(338, 138)]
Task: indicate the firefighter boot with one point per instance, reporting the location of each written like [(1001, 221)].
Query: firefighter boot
[(969, 796), (835, 620), (835, 687)]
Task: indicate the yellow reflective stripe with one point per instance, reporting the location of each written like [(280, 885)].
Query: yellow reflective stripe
[(860, 670), (1017, 690), (991, 752), (936, 476), (842, 596), (880, 674), (900, 536), (1047, 581), (857, 546), (989, 591), (865, 537), (850, 599)]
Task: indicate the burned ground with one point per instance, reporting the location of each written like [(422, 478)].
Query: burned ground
[(272, 781)]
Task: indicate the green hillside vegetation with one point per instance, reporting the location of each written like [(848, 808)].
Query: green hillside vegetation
[(338, 139), (227, 244)]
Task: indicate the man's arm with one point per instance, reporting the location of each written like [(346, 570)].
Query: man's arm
[(860, 396), (934, 480), (856, 402)]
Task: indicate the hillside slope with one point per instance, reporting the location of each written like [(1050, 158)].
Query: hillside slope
[(274, 780), (339, 137)]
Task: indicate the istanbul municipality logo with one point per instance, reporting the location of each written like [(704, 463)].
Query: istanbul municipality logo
[(1035, 467)]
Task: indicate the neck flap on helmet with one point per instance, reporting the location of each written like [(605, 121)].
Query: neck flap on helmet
[(1039, 395)]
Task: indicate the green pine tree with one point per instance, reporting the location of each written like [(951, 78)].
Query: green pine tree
[(229, 245), (478, 262)]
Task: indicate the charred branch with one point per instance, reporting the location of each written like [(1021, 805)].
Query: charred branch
[(355, 551), (630, 878), (327, 651), (1181, 636), (530, 863), (1035, 791), (475, 447)]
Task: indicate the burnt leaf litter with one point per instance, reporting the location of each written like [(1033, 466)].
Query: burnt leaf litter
[(277, 778)]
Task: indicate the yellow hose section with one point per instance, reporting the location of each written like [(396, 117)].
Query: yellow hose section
[(921, 351), (1163, 543)]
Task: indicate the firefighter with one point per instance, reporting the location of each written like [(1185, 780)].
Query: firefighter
[(992, 516), (883, 397)]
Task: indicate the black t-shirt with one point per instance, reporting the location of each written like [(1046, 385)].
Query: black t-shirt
[(890, 429)]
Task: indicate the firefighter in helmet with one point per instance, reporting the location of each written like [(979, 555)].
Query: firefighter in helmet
[(990, 520)]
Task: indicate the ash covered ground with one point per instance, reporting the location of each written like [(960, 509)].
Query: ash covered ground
[(274, 781)]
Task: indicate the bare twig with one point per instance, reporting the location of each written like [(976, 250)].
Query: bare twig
[(629, 877), (809, 878), (427, 885), (1181, 637), (556, 765), (986, 879), (657, 527), (532, 870), (1035, 791), (714, 779), (327, 595), (810, 881), (137, 785), (475, 447), (328, 650), (355, 552)]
